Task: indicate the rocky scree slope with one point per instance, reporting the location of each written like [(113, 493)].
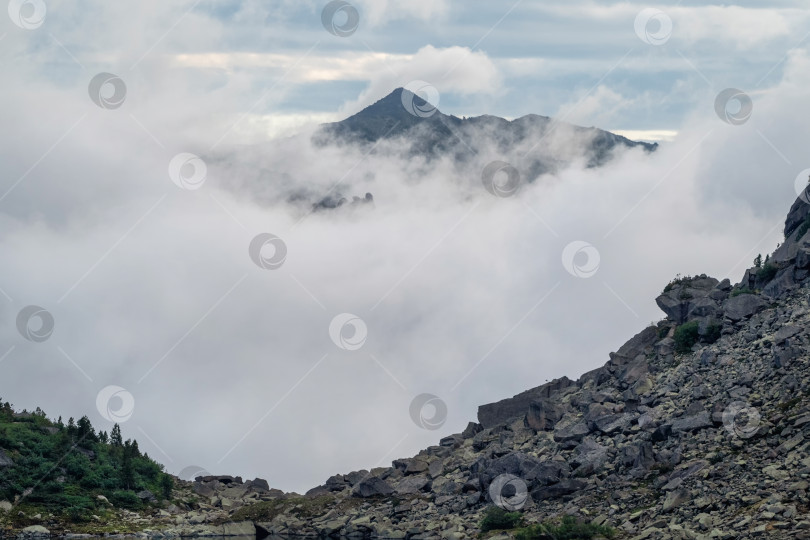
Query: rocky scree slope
[(711, 442)]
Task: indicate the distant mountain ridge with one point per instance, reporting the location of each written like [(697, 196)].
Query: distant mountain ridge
[(532, 141)]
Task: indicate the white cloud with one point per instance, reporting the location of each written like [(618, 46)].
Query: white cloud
[(454, 70), (601, 107), (380, 11)]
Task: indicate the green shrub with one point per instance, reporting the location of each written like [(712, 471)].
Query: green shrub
[(569, 529), (677, 280), (767, 272), (166, 486), (663, 331), (686, 335), (78, 514), (498, 518), (125, 499), (713, 332), (53, 457)]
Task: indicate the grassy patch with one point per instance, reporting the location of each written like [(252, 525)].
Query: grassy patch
[(568, 529), (787, 405), (497, 518)]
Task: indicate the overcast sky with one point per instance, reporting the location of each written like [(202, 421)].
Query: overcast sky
[(217, 356)]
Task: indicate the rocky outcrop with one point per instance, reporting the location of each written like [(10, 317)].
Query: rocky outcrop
[(517, 406)]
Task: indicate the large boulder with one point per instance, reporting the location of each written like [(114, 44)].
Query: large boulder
[(568, 486), (412, 485), (690, 298), (36, 531), (356, 476), (239, 528), (259, 484), (515, 407), (637, 346), (638, 456), (796, 216), (571, 431), (531, 470), (589, 457), (372, 487), (146, 495), (781, 284), (204, 489), (743, 306), (694, 422), (5, 461), (614, 423), (544, 414)]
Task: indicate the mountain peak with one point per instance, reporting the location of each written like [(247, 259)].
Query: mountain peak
[(398, 103)]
